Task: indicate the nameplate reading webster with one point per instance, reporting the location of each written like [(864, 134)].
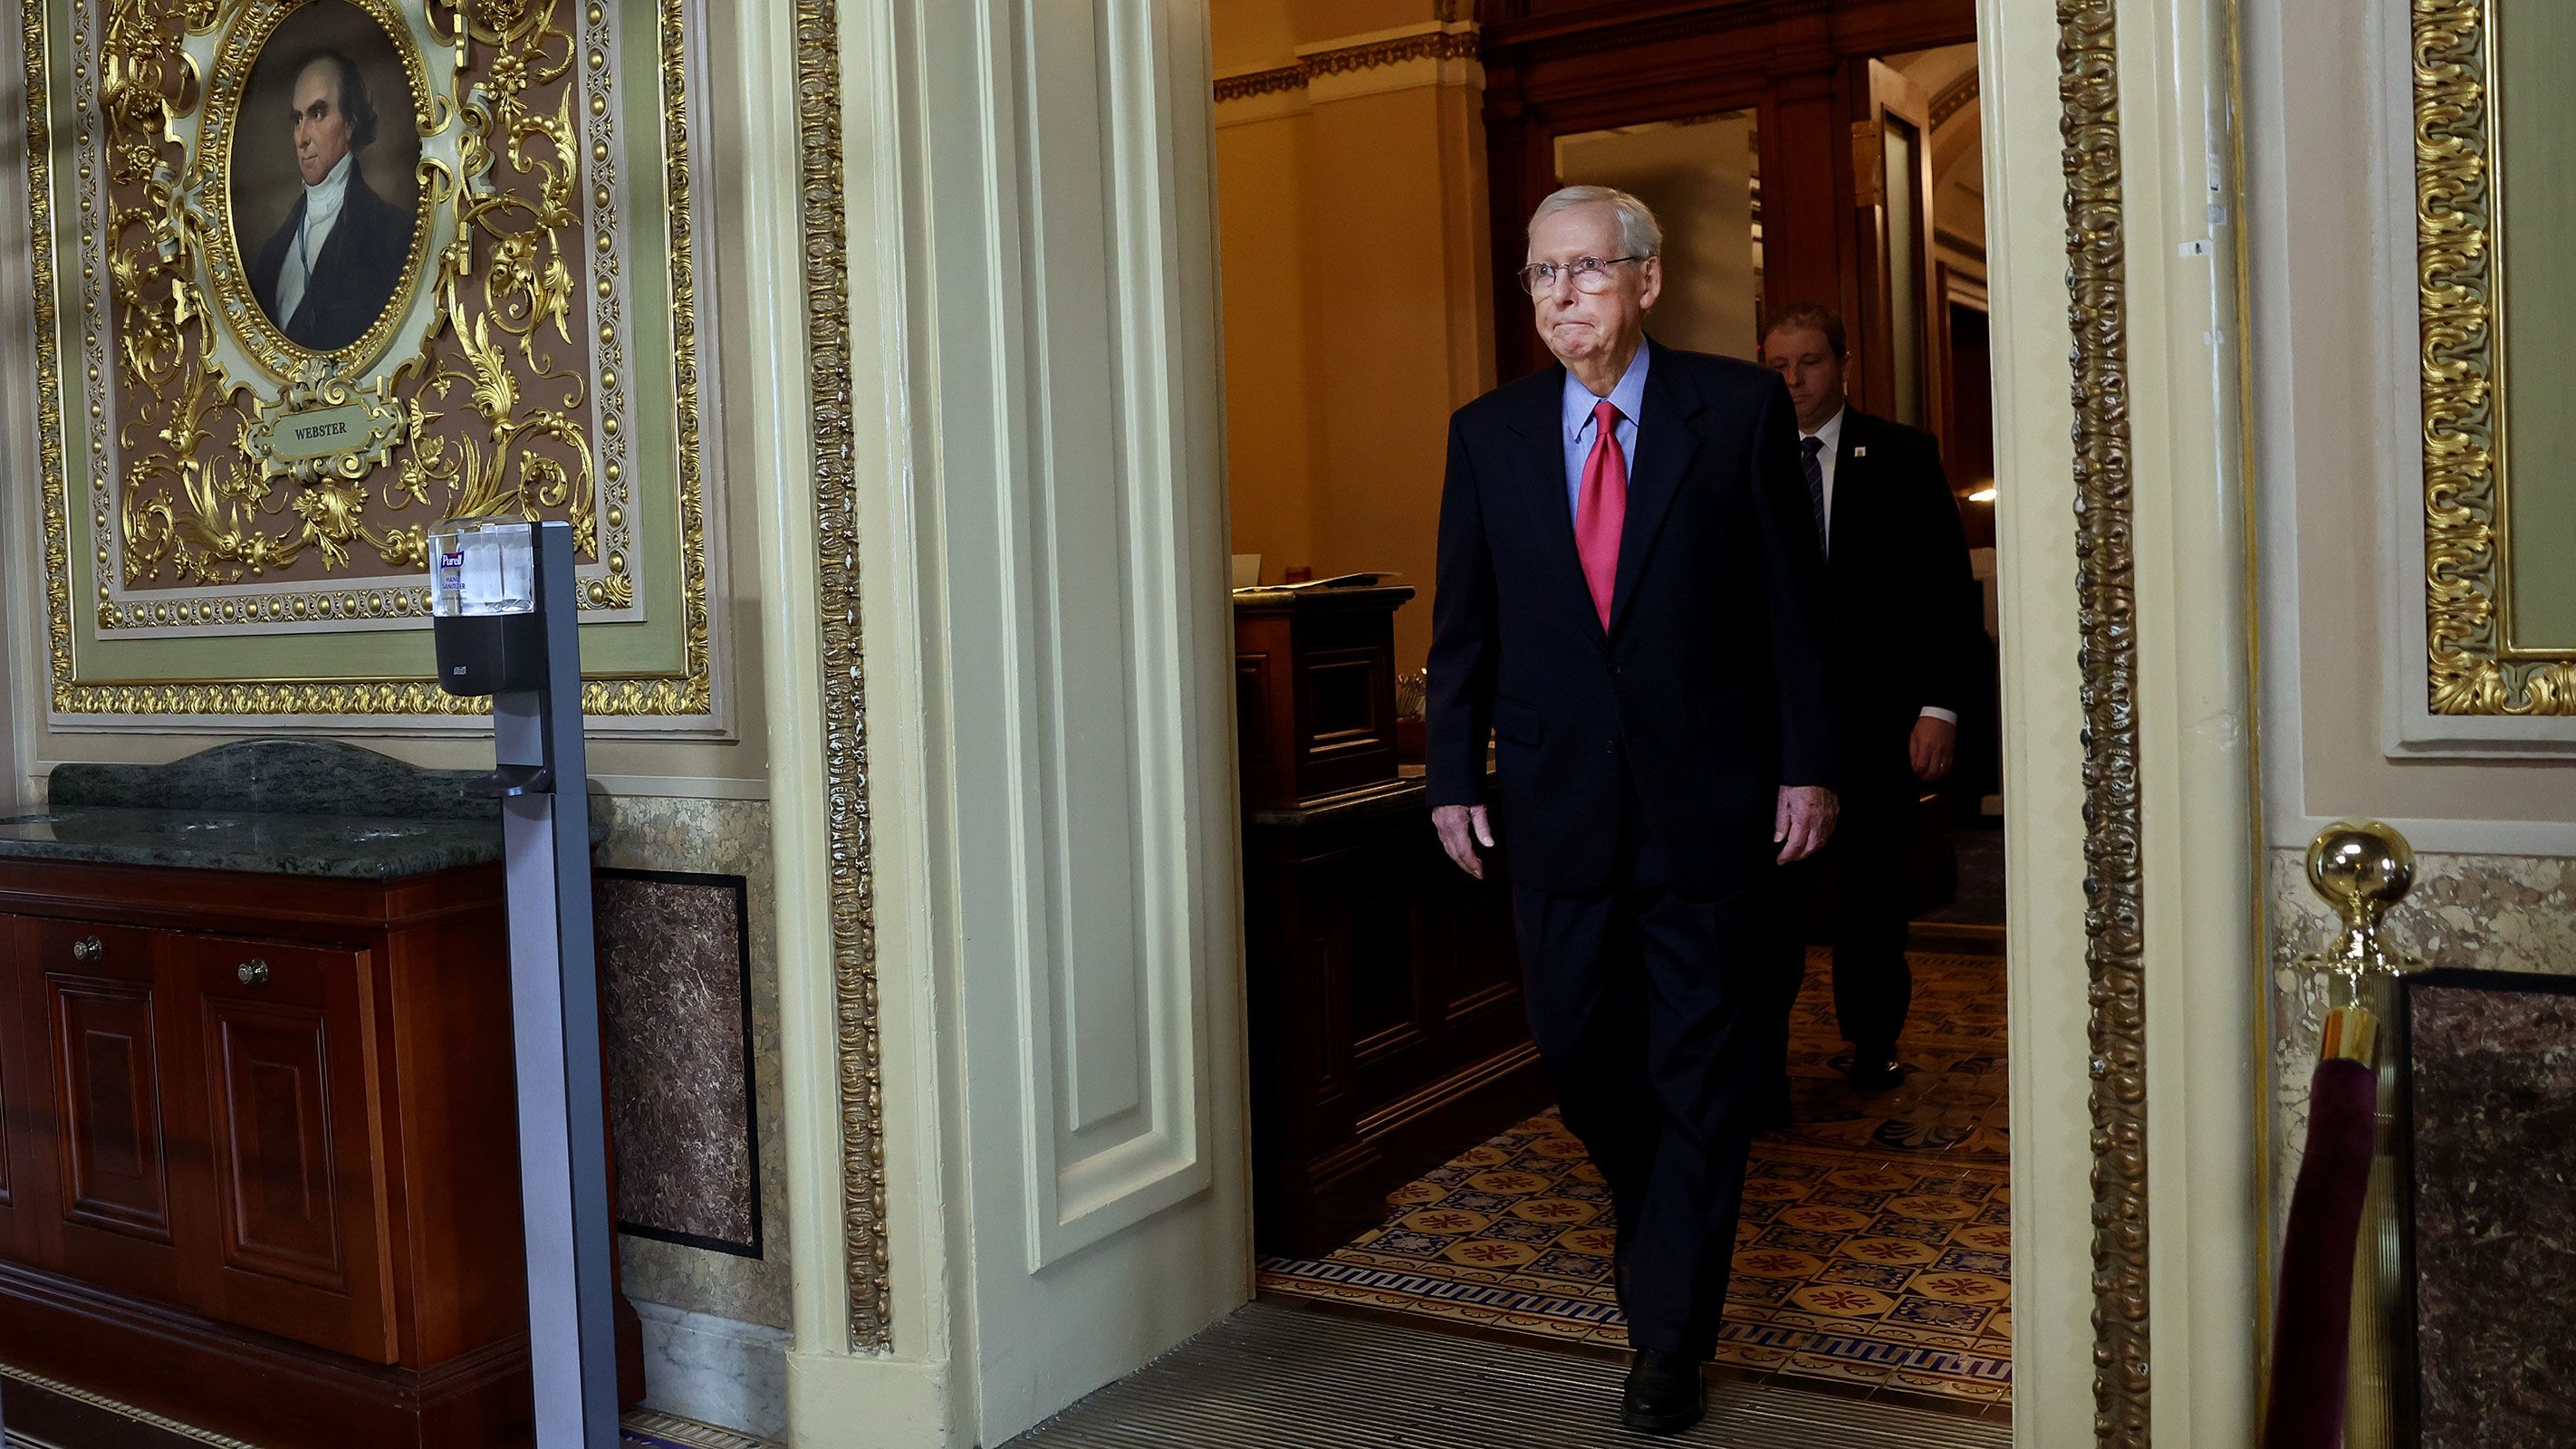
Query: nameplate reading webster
[(322, 432)]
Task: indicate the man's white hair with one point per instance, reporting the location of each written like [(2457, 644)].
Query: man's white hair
[(1640, 235)]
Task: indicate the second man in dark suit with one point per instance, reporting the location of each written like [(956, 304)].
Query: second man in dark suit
[(1901, 623)]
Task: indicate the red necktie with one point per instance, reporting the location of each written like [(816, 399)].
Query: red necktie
[(1602, 508)]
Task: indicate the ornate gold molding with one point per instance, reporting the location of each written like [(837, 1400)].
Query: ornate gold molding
[(49, 374), (153, 111), (1458, 44), (2472, 668), (2114, 915), (845, 749)]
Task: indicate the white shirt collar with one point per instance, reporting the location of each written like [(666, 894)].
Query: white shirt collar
[(1832, 431), (322, 200)]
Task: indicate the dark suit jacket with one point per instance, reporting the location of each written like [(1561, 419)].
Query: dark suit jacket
[(353, 279), (1903, 618), (1707, 691)]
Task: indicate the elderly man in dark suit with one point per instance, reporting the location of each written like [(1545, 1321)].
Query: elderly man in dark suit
[(1902, 621), (1625, 602), (329, 272)]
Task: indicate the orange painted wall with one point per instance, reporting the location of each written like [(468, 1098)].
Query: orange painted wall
[(1351, 222)]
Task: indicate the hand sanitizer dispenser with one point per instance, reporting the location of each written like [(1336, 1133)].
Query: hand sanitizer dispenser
[(502, 611)]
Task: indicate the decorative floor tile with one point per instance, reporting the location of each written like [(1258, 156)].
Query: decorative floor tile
[(1875, 1246)]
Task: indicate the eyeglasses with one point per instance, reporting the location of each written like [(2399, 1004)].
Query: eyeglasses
[(1591, 274)]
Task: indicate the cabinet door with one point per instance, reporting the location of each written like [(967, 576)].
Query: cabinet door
[(25, 1118), (281, 1049), (121, 1141)]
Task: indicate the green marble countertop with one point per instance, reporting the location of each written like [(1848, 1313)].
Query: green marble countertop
[(273, 807), (349, 847)]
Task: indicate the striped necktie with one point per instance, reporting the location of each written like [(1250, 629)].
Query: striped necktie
[(1812, 454)]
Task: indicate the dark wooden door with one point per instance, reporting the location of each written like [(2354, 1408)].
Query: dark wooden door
[(1555, 67), (102, 1004), (1895, 331), (280, 1052), (25, 1110)]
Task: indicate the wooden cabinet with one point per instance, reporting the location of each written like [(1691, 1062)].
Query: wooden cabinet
[(258, 1161), (1387, 1022), (276, 1045), (103, 1014), (1314, 682)]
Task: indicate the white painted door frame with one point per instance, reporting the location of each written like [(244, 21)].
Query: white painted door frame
[(1036, 382)]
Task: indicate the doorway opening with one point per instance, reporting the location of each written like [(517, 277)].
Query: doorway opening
[(1408, 1160)]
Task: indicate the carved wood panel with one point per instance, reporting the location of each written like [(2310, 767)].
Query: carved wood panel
[(278, 1037), (95, 1002), (115, 1153)]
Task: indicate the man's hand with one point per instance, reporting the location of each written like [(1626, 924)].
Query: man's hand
[(1805, 821), (1462, 828), (1934, 746)]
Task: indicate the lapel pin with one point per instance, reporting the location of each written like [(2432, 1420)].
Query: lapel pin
[(1860, 451)]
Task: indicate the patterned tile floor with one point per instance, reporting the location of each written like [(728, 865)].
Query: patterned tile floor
[(1875, 1247)]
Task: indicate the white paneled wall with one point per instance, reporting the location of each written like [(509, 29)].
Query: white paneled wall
[(1077, 646)]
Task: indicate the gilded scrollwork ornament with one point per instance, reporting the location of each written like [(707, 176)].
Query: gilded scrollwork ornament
[(292, 358), (2472, 666)]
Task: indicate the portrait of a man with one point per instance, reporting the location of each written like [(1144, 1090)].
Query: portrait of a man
[(325, 202)]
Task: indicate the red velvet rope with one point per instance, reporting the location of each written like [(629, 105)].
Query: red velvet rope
[(2312, 1334)]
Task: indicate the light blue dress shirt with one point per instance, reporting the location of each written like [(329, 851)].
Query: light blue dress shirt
[(1628, 394)]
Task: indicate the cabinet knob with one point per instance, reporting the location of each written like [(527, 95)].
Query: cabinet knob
[(253, 972), (87, 948)]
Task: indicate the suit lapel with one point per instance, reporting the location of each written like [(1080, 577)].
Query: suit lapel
[(1850, 478), (1538, 417), (1666, 443)]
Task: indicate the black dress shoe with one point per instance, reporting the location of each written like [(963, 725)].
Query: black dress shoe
[(1876, 1069), (1665, 1394)]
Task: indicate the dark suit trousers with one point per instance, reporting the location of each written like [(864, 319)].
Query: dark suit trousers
[(1867, 859), (1650, 1009)]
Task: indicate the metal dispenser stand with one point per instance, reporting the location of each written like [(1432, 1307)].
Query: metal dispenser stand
[(503, 614)]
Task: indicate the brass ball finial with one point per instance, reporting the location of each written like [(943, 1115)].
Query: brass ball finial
[(2361, 867)]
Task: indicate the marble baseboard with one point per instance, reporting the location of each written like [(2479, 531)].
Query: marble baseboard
[(2494, 912), (718, 1371)]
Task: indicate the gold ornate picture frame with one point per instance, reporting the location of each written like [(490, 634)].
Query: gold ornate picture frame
[(235, 500), (2475, 664)]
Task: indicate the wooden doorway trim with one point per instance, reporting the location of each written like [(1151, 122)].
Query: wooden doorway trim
[(1558, 67)]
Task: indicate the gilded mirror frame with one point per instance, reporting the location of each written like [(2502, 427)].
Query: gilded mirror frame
[(2473, 666)]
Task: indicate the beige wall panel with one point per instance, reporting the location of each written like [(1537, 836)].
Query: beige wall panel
[(1322, 22), (1384, 305), (1252, 35), (1264, 180)]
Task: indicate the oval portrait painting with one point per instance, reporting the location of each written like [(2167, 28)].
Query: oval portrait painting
[(323, 182)]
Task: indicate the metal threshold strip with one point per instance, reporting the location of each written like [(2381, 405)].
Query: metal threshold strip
[(1280, 1377)]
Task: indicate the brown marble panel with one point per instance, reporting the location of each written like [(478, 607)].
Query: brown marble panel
[(2492, 1114), (674, 948)]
